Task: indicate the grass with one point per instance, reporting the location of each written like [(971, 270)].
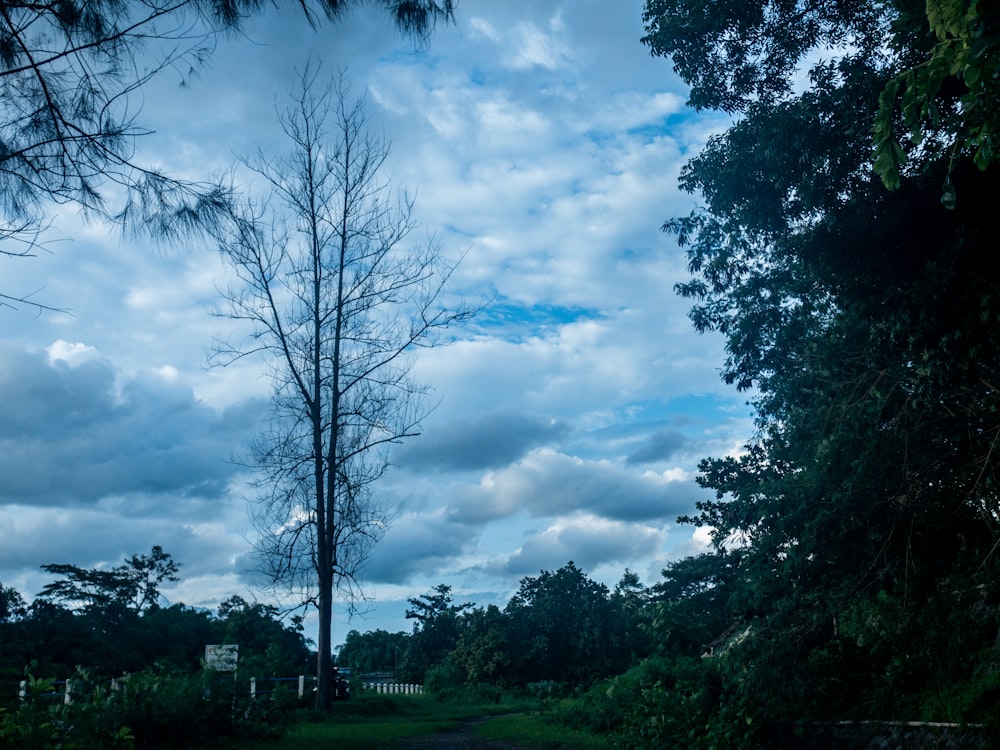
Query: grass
[(536, 731), (372, 723), (379, 722)]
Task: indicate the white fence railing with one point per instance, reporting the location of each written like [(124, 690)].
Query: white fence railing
[(298, 684), (263, 686), (394, 688)]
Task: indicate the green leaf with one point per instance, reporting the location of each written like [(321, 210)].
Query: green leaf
[(971, 75), (886, 167)]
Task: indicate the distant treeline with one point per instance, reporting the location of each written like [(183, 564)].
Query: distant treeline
[(111, 622), (698, 648), (559, 626)]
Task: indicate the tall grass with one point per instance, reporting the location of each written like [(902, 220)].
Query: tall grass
[(380, 722), (534, 730)]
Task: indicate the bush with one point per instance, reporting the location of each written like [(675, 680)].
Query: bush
[(545, 689), (445, 681), (482, 692), (168, 708), (660, 703), (44, 722), (158, 708)]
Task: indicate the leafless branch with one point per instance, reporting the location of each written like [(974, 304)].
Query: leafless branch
[(334, 292)]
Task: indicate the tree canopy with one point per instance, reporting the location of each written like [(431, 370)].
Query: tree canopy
[(936, 64), (134, 586), (71, 77), (846, 250), (114, 620), (560, 626)]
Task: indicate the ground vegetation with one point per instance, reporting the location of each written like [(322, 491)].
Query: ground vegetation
[(135, 663)]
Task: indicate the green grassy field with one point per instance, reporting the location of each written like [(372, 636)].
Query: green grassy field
[(380, 722), (533, 730)]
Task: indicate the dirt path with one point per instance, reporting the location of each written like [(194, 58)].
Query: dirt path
[(462, 738)]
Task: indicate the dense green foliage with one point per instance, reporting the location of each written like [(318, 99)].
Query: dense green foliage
[(135, 664), (159, 707), (116, 623), (847, 250), (435, 635), (559, 628)]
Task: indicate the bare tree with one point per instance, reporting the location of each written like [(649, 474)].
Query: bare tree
[(69, 74), (337, 294)]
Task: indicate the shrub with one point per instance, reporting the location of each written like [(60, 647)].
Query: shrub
[(42, 723), (445, 681), (157, 708), (167, 708), (661, 702)]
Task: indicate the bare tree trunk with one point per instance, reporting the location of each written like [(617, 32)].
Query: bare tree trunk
[(324, 656), (339, 302)]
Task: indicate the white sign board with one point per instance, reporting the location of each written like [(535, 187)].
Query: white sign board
[(222, 658)]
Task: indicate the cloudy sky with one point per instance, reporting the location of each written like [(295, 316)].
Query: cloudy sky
[(542, 142)]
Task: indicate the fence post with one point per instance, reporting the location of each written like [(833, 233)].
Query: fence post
[(253, 687), (302, 686), (22, 691), (68, 693)]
